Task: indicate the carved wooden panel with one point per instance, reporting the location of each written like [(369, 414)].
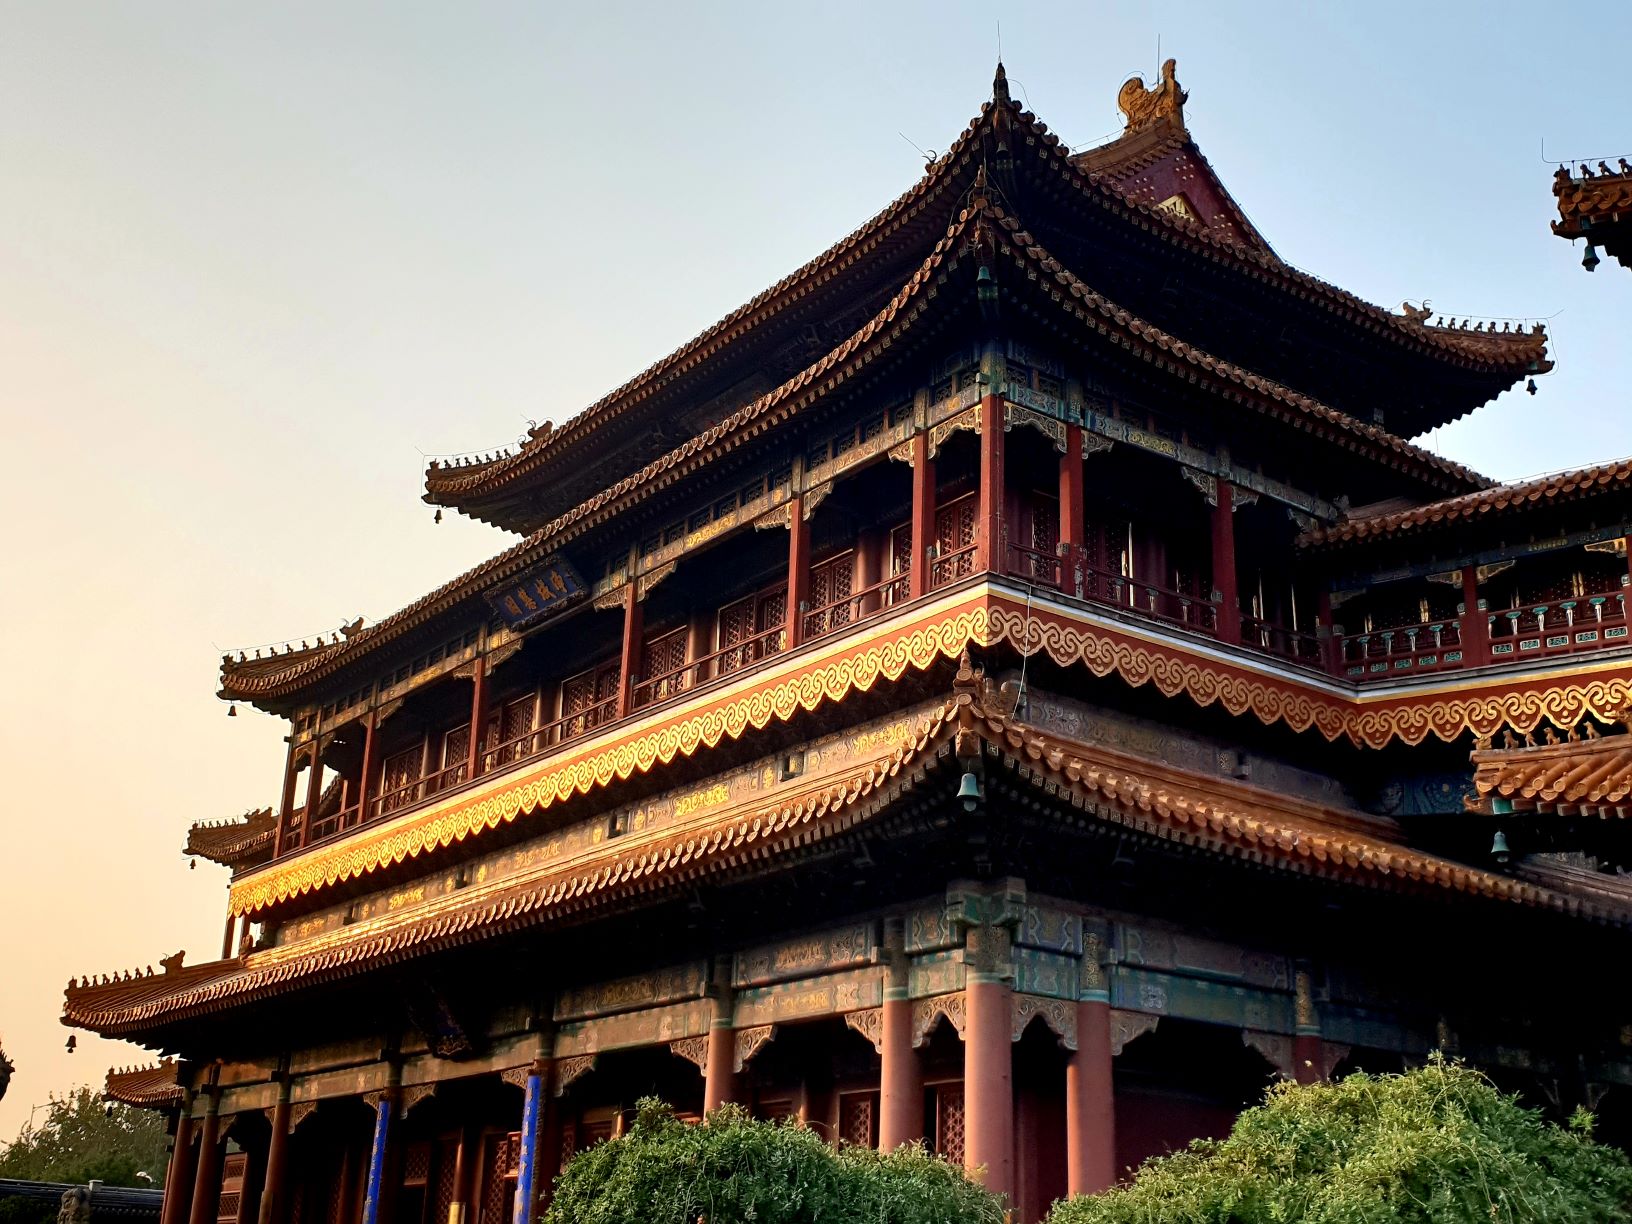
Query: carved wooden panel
[(858, 1119), (955, 1007), (750, 1041), (693, 1050), (1128, 1025), (1058, 1014), (230, 1205), (870, 1024)]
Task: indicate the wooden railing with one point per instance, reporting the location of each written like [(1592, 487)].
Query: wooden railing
[(952, 565), (1278, 640), (722, 662), (1070, 574), (857, 606), (540, 739), (1403, 649), (1566, 626)]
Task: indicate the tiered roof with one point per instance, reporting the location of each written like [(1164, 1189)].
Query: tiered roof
[(1214, 815), (1500, 504), (984, 233), (1100, 199)]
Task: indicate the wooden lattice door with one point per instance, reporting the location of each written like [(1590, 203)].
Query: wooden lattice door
[(949, 1117), (399, 784), (831, 585), (954, 540), (749, 629), (662, 665), (500, 1156), (229, 1207), (900, 564), (858, 1118)]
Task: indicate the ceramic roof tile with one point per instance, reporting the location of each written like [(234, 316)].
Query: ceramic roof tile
[(1614, 477), (1222, 816), (152, 1087), (1591, 777)]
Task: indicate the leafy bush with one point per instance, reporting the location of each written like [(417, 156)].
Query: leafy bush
[(81, 1139), (664, 1171), (1437, 1144)]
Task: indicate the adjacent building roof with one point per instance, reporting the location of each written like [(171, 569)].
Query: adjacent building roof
[(238, 842), (1591, 777), (151, 1087), (1612, 479), (271, 682), (1597, 207), (1219, 816)]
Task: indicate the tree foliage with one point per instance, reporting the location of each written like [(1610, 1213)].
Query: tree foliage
[(664, 1171), (1438, 1144), (81, 1139)]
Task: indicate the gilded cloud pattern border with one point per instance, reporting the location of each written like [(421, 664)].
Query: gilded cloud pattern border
[(986, 619)]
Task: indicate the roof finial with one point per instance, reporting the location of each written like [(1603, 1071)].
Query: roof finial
[(1000, 86), (1144, 107)]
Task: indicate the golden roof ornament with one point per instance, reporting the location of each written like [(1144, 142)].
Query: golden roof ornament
[(1145, 107)]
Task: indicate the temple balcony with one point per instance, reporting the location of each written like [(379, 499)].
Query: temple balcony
[(854, 543)]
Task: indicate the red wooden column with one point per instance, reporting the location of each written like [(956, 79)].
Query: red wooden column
[(277, 1161), (923, 512), (870, 569), (1224, 580), (365, 773), (464, 1176), (1331, 648), (207, 1176), (1090, 1098), (720, 1065), (1308, 1050), (990, 526), (226, 935), (314, 785), (286, 805), (629, 660), (901, 1079), (178, 1179), (1475, 624), (478, 712), (798, 570), (1073, 503), (988, 1081)]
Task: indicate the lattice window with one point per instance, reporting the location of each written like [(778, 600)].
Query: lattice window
[(949, 1121), (402, 772), (831, 585), (900, 563), (447, 1156), (230, 1205), (499, 1184), (515, 725), (589, 699), (776, 1111), (858, 1118), (745, 629), (416, 1164), (662, 661), (455, 762)]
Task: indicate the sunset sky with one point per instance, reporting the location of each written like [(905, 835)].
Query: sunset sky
[(257, 262)]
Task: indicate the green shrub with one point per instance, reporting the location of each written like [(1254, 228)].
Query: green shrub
[(735, 1170), (1437, 1144)]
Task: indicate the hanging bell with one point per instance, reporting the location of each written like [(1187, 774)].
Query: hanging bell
[(1530, 386), (232, 711), (969, 791), (438, 517), (1499, 849), (1589, 261)]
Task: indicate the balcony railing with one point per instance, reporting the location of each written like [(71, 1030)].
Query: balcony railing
[(1435, 646), (857, 606), (1538, 630), (1566, 626), (732, 658), (1070, 574)]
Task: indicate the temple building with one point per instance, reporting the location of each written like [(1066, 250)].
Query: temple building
[(1009, 685), (1597, 206)]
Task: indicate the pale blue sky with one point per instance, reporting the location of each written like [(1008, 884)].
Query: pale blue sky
[(255, 259)]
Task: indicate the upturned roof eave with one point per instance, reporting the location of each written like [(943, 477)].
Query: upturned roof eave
[(272, 690), (1221, 816), (484, 490)]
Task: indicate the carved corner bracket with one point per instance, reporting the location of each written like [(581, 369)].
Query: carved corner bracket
[(925, 1012), (870, 1024), (750, 1041)]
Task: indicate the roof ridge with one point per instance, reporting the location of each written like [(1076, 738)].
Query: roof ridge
[(1404, 328)]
